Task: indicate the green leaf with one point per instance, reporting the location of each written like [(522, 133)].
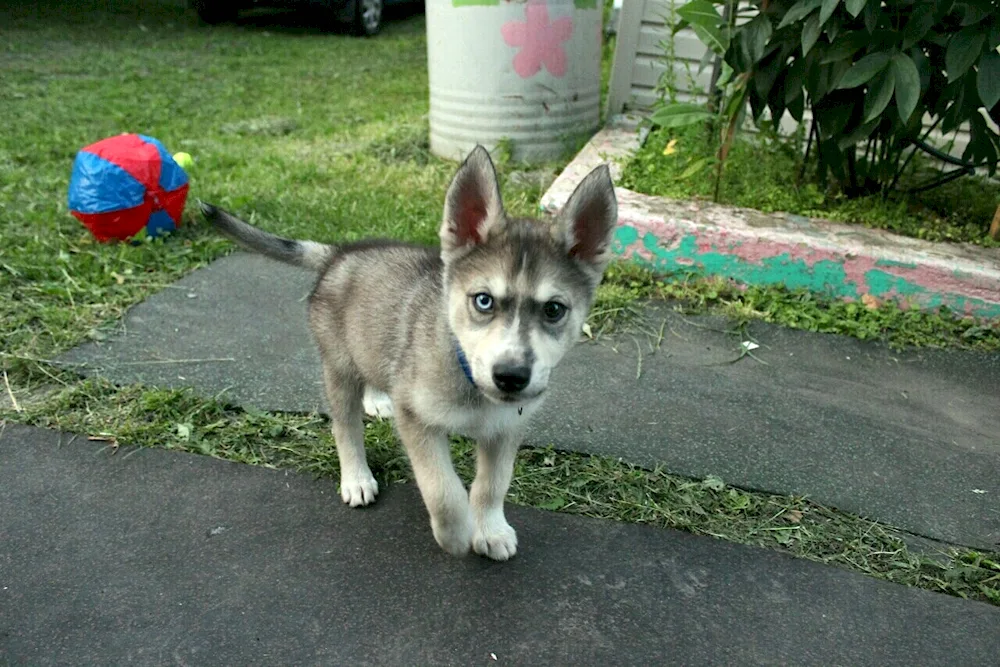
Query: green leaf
[(712, 37), (854, 7), (680, 115), (921, 20), (694, 168), (810, 33), (833, 118), (923, 64), (859, 134), (963, 50), (799, 11), (767, 72), (702, 12), (796, 106), (879, 95), (553, 503), (863, 70), (795, 79), (845, 46), (907, 79), (714, 483), (826, 10), (872, 12), (756, 34), (972, 14), (832, 28), (706, 23), (956, 114), (988, 79)]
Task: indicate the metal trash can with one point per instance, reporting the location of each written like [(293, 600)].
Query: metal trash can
[(524, 72)]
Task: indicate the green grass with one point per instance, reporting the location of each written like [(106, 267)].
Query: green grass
[(325, 136), (763, 173), (310, 134), (626, 284)]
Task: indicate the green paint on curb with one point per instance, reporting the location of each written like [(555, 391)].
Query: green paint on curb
[(823, 276)]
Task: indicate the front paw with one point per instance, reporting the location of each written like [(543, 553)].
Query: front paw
[(358, 488), (454, 536), (494, 538)]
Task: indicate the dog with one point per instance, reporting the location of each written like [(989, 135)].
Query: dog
[(461, 338)]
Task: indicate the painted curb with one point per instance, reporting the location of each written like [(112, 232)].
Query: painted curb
[(842, 261)]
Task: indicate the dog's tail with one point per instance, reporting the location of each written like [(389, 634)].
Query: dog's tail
[(309, 254)]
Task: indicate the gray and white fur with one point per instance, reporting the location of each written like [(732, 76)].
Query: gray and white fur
[(505, 297)]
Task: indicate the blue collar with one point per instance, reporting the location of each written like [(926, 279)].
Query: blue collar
[(463, 362)]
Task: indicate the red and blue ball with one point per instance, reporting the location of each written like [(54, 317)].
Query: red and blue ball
[(123, 185)]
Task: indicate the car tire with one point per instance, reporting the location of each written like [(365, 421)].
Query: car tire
[(367, 19), (213, 12)]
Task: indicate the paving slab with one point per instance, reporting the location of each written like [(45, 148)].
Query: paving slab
[(908, 438), (150, 557)]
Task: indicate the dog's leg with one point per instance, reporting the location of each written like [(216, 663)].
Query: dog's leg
[(444, 494), (494, 537), (357, 484)]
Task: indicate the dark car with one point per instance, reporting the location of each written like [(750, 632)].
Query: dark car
[(363, 17)]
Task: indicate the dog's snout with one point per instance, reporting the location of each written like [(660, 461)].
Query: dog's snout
[(511, 378)]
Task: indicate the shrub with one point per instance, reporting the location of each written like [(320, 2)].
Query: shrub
[(870, 71)]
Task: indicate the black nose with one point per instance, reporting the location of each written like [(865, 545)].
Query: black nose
[(511, 378)]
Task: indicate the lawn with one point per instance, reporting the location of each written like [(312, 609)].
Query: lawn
[(310, 134), (322, 136)]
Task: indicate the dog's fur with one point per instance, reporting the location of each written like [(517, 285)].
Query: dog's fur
[(503, 297)]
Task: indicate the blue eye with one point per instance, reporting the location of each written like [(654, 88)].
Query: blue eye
[(483, 302)]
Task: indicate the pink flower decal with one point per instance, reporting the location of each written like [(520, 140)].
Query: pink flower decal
[(540, 41)]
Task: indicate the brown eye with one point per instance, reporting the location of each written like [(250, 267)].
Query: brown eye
[(554, 311)]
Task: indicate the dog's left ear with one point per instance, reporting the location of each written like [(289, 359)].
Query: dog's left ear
[(473, 205), (587, 221)]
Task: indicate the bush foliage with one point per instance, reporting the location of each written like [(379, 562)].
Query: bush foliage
[(871, 72)]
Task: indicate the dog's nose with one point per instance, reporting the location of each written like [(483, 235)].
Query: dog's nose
[(511, 378)]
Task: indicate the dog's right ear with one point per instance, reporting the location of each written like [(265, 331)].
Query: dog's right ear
[(472, 206)]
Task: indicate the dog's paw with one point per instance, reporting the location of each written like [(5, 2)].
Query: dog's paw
[(377, 404), (455, 537), (358, 489), (494, 538)]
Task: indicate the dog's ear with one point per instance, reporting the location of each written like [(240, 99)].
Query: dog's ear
[(586, 223), (473, 205)]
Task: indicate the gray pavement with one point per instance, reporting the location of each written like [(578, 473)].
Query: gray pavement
[(906, 438), (150, 557)]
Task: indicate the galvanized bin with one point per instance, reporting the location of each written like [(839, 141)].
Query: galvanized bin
[(522, 72)]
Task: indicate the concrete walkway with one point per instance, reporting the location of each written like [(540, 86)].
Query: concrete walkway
[(150, 557), (905, 438)]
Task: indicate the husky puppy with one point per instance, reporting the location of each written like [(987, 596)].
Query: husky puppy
[(461, 338)]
